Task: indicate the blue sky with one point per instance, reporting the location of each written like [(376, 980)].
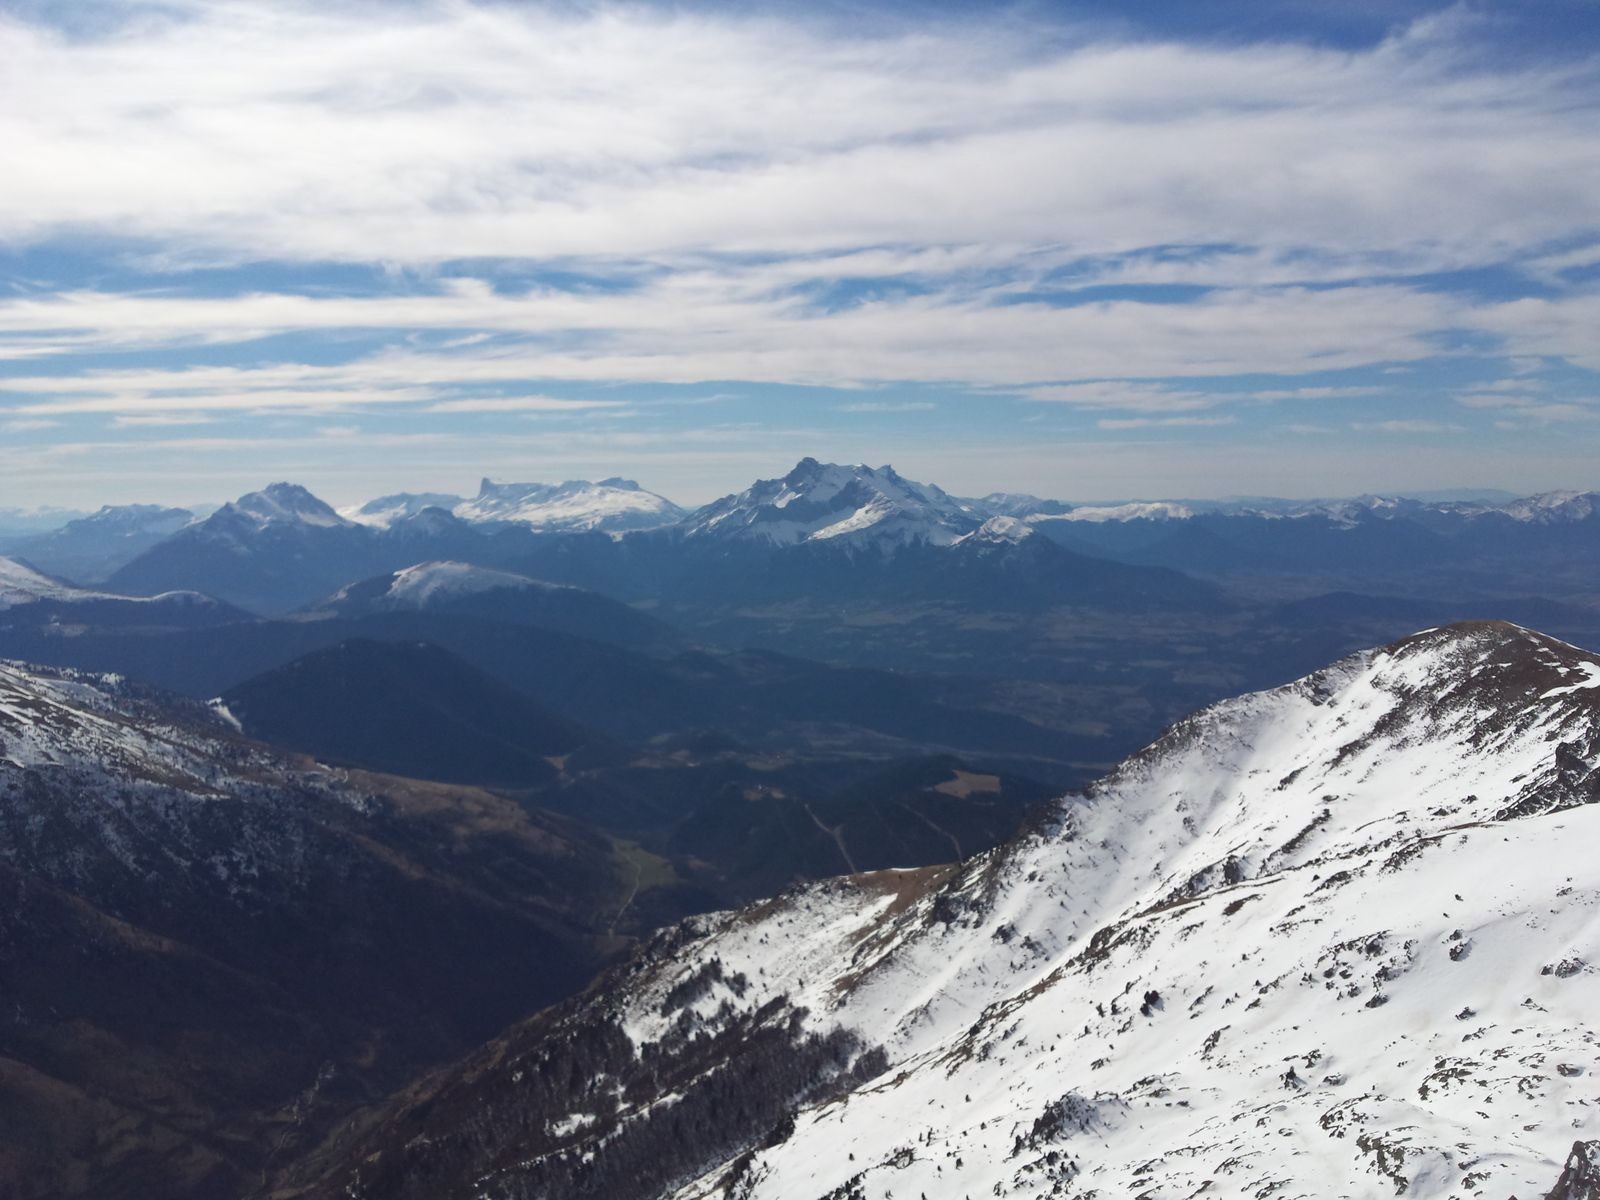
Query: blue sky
[(1090, 250)]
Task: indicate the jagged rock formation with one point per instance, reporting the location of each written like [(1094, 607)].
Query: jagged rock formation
[(1580, 1178)]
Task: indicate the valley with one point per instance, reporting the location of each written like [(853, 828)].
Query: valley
[(842, 809)]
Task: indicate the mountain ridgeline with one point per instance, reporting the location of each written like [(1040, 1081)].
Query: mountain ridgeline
[(1328, 939), (560, 842), (1045, 638)]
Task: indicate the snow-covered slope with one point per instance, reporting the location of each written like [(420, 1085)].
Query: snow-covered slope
[(277, 504), (1016, 504), (997, 531), (1337, 939), (447, 589), (614, 505), (21, 585), (1140, 510), (386, 510), (826, 502), (430, 584), (1551, 508)]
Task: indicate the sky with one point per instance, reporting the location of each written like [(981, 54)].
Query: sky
[(1088, 250)]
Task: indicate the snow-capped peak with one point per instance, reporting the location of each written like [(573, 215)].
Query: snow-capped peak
[(822, 502), (284, 504), (998, 531), (427, 583), (1017, 504), (1553, 507), (386, 510), (613, 504)]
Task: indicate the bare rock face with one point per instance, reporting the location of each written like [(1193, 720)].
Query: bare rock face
[(1580, 1179)]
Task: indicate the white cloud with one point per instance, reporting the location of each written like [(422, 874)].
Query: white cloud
[(699, 330), (887, 406), (1162, 422), (1123, 394), (448, 130), (522, 404), (733, 199), (159, 420), (1313, 393), (1405, 426), (1562, 327)]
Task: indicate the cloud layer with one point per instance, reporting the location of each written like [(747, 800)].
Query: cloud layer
[(243, 211)]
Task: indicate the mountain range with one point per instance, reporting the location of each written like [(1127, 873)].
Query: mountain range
[(90, 548), (1095, 632), (282, 548), (614, 504), (1329, 909), (847, 532)]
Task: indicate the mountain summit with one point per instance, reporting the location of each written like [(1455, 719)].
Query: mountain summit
[(1337, 937), (577, 505), (846, 505), (277, 504)]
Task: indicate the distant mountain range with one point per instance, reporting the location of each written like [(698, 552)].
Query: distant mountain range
[(1126, 618), (575, 506), (90, 548), (282, 548)]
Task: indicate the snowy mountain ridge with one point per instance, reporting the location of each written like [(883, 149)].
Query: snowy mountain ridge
[(1141, 510), (386, 510), (278, 504), (98, 732), (577, 505), (826, 502), (21, 584), (420, 587), (1334, 939)]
